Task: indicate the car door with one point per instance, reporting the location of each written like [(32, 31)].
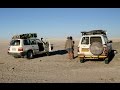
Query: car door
[(34, 45), (26, 45), (40, 45), (84, 47)]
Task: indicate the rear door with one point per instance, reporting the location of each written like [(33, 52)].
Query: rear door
[(14, 45), (34, 45), (84, 47), (99, 46)]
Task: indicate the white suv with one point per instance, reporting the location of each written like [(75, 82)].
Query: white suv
[(94, 44), (28, 45)]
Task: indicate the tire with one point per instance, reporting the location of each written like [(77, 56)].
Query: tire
[(82, 60), (107, 61), (29, 55), (48, 53), (96, 48), (16, 56)]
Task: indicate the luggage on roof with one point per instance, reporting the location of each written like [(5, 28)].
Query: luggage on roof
[(25, 36), (93, 32)]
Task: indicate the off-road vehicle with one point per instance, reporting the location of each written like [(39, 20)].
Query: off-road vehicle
[(94, 44), (28, 45)]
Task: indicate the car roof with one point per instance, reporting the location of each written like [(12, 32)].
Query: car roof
[(15, 39), (24, 38), (93, 35)]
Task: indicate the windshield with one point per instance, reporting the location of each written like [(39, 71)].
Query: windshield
[(15, 43)]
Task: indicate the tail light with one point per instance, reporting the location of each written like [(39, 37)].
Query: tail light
[(20, 49)]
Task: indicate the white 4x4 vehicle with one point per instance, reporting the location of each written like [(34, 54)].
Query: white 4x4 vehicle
[(94, 45), (28, 45)]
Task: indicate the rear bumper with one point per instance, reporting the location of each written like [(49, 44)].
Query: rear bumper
[(17, 54), (91, 56)]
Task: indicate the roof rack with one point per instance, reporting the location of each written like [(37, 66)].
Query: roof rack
[(94, 32), (25, 36)]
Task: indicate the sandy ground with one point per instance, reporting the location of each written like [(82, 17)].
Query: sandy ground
[(57, 68)]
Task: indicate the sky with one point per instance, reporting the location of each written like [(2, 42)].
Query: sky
[(58, 22)]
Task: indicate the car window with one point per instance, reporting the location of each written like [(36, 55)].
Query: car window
[(15, 42), (85, 40), (95, 39), (106, 39), (33, 42), (26, 42), (38, 41)]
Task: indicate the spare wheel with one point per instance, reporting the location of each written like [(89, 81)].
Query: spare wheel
[(96, 48)]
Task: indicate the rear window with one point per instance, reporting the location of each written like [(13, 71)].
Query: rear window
[(85, 40), (15, 43), (95, 39)]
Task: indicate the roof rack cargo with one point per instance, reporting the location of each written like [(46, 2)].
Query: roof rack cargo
[(93, 32), (25, 36)]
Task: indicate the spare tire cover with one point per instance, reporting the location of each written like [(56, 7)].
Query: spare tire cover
[(96, 48)]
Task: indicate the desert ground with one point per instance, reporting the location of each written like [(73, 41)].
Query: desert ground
[(57, 68)]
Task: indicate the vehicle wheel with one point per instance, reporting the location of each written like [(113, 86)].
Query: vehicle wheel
[(106, 61), (16, 56), (48, 53), (22, 56), (29, 55), (82, 60), (96, 48)]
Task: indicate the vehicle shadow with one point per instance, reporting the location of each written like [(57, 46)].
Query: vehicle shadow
[(58, 52), (111, 56), (75, 57)]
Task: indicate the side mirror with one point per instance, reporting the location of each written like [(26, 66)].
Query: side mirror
[(41, 39), (110, 41)]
